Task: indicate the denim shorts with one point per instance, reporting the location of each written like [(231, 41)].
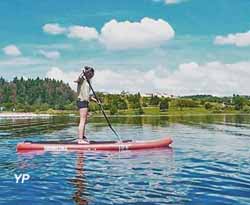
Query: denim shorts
[(82, 104)]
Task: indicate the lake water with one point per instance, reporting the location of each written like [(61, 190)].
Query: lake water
[(209, 162)]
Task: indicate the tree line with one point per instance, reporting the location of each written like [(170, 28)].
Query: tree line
[(30, 95), (35, 94)]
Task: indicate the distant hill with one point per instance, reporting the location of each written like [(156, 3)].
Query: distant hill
[(48, 95), (31, 93), (209, 98)]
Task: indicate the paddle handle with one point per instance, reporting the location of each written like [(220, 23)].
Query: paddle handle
[(102, 109)]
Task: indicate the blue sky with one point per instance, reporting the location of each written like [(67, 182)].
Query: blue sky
[(199, 57)]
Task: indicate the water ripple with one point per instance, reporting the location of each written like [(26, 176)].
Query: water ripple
[(209, 163)]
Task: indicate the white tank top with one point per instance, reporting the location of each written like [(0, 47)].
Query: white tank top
[(83, 90)]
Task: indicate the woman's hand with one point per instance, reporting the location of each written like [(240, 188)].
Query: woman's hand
[(94, 99), (80, 78)]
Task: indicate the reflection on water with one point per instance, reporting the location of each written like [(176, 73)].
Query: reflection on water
[(25, 127), (209, 162), (79, 181), (22, 127)]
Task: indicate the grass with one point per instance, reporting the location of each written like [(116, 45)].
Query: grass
[(149, 111)]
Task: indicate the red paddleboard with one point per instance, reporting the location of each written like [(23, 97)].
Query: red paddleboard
[(93, 145)]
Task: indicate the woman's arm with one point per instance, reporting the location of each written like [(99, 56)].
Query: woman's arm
[(80, 78), (94, 99)]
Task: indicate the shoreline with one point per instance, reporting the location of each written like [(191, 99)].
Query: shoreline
[(46, 115), (22, 115)]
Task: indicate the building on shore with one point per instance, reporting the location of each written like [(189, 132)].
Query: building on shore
[(158, 94)]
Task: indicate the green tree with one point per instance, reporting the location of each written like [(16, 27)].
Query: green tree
[(154, 100), (35, 92), (44, 107), (164, 105), (134, 100), (93, 107), (238, 102), (182, 102), (122, 104), (145, 101), (208, 106), (113, 109)]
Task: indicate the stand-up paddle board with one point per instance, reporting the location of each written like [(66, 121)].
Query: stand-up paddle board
[(93, 145)]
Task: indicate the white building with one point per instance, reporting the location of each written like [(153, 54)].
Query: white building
[(158, 94)]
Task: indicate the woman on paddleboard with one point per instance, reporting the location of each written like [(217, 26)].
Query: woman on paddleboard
[(83, 98)]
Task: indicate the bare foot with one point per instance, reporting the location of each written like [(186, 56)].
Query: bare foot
[(83, 141)]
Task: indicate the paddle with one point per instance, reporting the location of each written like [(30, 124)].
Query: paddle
[(102, 109)]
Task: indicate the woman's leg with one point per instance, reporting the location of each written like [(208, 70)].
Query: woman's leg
[(83, 120)]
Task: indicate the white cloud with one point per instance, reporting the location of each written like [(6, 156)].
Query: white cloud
[(19, 61), (76, 31), (212, 78), (54, 29), (50, 54), (67, 77), (82, 32), (191, 78), (237, 39), (105, 80), (12, 50), (126, 35)]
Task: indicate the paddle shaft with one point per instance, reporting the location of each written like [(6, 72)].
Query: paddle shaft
[(102, 109)]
